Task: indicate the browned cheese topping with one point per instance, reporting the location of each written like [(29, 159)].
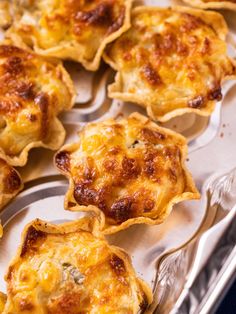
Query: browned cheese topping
[(171, 61), (70, 270), (71, 29), (32, 93), (128, 169)]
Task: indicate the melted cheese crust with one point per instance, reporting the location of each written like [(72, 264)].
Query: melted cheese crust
[(131, 171), (71, 29), (171, 61), (71, 269), (33, 91), (212, 4)]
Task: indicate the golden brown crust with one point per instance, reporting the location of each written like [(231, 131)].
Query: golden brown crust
[(71, 29), (128, 171), (209, 4), (33, 91), (70, 268), (167, 61)]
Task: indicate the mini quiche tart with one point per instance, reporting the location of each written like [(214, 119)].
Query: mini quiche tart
[(212, 4), (171, 61), (129, 171), (10, 185), (33, 91), (71, 29), (70, 268)]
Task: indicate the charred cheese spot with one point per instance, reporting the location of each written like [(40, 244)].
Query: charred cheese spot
[(63, 161), (110, 164), (42, 101), (171, 61), (8, 106), (196, 102), (26, 305), (117, 264), (152, 136), (25, 90), (134, 169), (100, 16), (150, 75), (122, 209), (31, 96), (85, 195), (81, 28), (72, 271), (215, 94), (13, 66), (8, 51), (130, 168), (10, 183), (32, 237)]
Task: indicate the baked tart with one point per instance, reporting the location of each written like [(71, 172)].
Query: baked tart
[(70, 268), (171, 61), (10, 185), (71, 29), (128, 172), (212, 4), (33, 91)]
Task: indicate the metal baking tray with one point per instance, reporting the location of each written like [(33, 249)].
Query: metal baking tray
[(190, 258)]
